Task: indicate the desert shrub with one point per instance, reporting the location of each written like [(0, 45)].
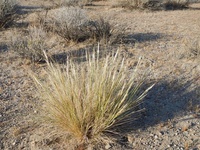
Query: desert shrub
[(7, 12), (74, 3), (139, 4), (73, 24), (67, 3), (101, 30), (89, 99), (176, 4), (68, 22), (130, 4), (154, 4), (31, 46)]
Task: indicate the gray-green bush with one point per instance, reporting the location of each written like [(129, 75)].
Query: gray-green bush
[(7, 12), (73, 24)]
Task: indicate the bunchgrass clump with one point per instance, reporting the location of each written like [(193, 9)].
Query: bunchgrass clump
[(90, 98), (192, 49), (31, 46), (7, 12)]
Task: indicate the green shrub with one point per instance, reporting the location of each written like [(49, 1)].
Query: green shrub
[(90, 98), (7, 12)]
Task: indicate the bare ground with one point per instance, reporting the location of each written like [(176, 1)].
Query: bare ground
[(171, 120)]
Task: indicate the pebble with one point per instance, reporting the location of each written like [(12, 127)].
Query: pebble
[(107, 146), (14, 143), (151, 134), (155, 136), (161, 133)]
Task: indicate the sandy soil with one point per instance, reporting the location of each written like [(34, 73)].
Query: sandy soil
[(171, 120)]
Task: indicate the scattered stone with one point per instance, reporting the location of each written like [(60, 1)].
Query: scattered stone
[(108, 146)]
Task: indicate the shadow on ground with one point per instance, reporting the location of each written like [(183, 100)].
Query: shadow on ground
[(142, 37), (3, 47), (169, 99), (163, 102), (79, 55), (127, 39), (23, 10)]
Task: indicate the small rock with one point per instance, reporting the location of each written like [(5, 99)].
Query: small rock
[(107, 146), (89, 147), (151, 134), (14, 143), (1, 90), (198, 146), (175, 133), (161, 133)]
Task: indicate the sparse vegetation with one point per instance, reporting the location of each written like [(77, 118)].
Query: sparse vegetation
[(89, 99), (154, 4), (192, 48), (176, 4), (84, 100), (31, 46), (74, 3), (73, 24), (7, 12), (69, 23)]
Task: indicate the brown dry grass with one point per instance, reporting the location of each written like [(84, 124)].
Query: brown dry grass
[(158, 36)]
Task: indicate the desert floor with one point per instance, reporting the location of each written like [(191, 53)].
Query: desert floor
[(161, 38)]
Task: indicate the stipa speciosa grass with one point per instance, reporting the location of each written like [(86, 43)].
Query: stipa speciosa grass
[(89, 99)]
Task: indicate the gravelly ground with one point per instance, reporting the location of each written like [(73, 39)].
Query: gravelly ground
[(171, 120)]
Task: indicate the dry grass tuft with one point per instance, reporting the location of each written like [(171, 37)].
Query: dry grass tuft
[(7, 12), (90, 98), (32, 45), (192, 49)]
